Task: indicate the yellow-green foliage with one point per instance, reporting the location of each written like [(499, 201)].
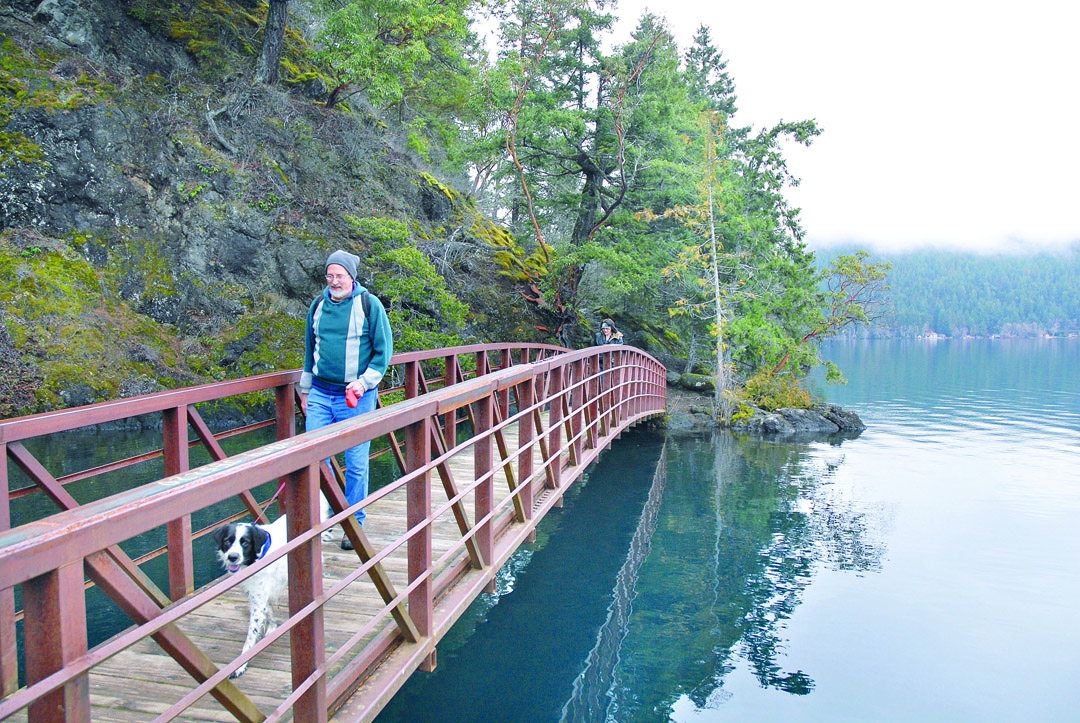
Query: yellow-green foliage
[(411, 288), (776, 391), (28, 80), (516, 263), (436, 183), (293, 73), (274, 165), (743, 411), (380, 230)]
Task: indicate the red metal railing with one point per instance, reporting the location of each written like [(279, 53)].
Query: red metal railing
[(179, 412), (585, 409)]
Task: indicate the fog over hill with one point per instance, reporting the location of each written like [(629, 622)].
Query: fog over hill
[(956, 293)]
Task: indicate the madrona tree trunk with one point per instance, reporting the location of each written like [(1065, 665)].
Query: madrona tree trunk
[(266, 70)]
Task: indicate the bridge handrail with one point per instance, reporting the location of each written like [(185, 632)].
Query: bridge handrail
[(64, 420), (118, 517), (568, 384)]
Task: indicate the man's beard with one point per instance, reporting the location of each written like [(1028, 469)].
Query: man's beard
[(340, 294)]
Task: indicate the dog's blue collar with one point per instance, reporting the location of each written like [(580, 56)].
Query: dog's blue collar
[(265, 548)]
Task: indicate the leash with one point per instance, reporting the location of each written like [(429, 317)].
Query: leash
[(262, 512)]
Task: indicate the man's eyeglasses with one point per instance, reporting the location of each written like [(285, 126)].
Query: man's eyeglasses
[(337, 277)]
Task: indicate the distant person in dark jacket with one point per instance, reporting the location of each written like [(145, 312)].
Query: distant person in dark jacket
[(608, 334)]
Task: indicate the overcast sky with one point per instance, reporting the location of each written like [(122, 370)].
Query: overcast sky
[(946, 123)]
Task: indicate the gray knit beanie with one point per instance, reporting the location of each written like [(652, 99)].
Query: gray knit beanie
[(345, 259)]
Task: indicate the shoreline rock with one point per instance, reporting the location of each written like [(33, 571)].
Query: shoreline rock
[(824, 419), (692, 412)]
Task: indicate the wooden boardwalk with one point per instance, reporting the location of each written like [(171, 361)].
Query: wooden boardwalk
[(143, 681)]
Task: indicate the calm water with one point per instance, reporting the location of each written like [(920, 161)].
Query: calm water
[(924, 571)]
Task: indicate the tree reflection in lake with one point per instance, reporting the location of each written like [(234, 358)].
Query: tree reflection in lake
[(671, 565), (743, 526), (595, 689)]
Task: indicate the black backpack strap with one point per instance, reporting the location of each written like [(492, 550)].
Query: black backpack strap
[(365, 303)]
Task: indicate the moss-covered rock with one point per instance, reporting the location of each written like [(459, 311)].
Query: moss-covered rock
[(697, 382), (64, 323)]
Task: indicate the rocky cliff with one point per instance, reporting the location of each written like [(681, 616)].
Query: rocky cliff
[(163, 221)]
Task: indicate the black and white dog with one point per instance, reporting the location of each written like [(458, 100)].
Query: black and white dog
[(242, 544)]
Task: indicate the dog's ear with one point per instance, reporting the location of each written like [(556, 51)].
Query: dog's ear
[(219, 535), (258, 537)]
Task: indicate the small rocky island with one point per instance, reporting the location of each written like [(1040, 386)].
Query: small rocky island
[(690, 411)]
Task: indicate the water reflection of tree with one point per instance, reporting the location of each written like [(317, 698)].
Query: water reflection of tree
[(745, 525), (594, 696)]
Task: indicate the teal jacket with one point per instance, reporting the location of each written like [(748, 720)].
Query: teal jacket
[(342, 345)]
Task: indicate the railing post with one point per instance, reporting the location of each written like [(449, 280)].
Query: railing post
[(647, 404), (285, 419), (660, 382), (555, 392), (482, 365), (603, 393), (618, 391), (418, 512), (55, 633), (526, 397), (643, 385), (504, 395), (615, 390), (285, 411), (450, 418), (9, 653), (642, 376), (593, 435), (178, 532), (484, 499), (645, 376), (412, 380), (307, 640), (577, 408)]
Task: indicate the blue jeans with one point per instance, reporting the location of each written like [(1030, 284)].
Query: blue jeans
[(324, 409)]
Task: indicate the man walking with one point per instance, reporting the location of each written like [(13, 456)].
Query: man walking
[(347, 347)]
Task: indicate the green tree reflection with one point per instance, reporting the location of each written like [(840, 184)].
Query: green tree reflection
[(743, 526)]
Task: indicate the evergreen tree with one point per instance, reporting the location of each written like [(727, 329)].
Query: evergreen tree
[(390, 48), (707, 76)]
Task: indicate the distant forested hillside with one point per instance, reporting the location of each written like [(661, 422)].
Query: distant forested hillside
[(959, 294)]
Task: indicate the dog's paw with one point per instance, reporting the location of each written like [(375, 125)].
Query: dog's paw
[(239, 671), (327, 535)]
